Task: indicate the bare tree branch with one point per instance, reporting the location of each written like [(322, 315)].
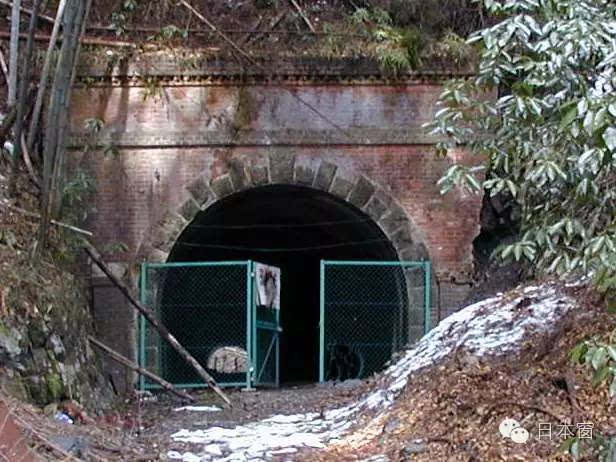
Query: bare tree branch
[(234, 45), (128, 363), (153, 320), (303, 15)]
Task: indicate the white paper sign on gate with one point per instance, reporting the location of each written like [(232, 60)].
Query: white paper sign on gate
[(268, 285)]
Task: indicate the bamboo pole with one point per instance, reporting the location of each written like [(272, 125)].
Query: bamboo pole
[(42, 88), (84, 40), (26, 10), (128, 363), (22, 95), (14, 51), (152, 319)]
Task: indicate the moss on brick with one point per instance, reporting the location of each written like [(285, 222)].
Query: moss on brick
[(246, 108)]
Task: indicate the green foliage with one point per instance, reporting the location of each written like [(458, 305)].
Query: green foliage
[(152, 89), (169, 33), (93, 128), (115, 247), (438, 17), (55, 386), (93, 125), (600, 357), (398, 49), (548, 137), (76, 195), (121, 17), (450, 47)]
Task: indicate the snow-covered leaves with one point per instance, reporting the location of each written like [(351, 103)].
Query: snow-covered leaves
[(550, 136), (494, 327)]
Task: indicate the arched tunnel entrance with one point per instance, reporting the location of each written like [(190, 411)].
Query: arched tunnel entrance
[(293, 228)]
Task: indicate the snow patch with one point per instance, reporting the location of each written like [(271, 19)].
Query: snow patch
[(492, 327), (199, 408)]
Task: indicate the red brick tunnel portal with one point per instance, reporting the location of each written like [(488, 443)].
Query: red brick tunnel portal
[(293, 228)]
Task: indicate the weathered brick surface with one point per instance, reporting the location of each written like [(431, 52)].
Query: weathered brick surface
[(181, 153)]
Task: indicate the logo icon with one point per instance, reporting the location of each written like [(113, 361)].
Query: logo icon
[(511, 428)]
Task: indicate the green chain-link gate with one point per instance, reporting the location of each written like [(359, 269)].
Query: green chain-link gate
[(212, 308), (370, 310)]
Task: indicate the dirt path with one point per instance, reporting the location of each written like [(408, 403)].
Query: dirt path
[(166, 415)]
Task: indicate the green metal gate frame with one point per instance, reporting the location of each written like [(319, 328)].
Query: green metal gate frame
[(424, 265), (255, 364)]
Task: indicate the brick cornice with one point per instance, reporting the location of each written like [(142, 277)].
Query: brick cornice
[(169, 68), (356, 136)]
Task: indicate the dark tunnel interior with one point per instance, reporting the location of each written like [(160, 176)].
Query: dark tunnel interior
[(293, 228)]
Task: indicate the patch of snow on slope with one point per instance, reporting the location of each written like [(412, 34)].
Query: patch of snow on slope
[(199, 409), (491, 327)]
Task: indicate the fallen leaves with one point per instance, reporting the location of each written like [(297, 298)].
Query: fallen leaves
[(452, 412)]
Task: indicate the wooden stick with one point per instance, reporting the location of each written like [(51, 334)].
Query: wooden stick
[(254, 30), (36, 215), (28, 161), (26, 10), (215, 29), (525, 406), (152, 319), (304, 17), (128, 363), (4, 67), (84, 40), (252, 61), (272, 25)]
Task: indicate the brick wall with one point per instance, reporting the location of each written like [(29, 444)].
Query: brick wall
[(200, 132)]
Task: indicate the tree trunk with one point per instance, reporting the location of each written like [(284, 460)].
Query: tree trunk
[(75, 15), (40, 96), (22, 96)]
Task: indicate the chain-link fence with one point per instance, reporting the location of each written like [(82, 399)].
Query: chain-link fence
[(207, 307), (370, 310), (266, 346)]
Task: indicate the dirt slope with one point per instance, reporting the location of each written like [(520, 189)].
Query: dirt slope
[(453, 411), (506, 357)]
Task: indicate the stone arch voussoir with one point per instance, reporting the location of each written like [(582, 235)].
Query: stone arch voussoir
[(283, 166)]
